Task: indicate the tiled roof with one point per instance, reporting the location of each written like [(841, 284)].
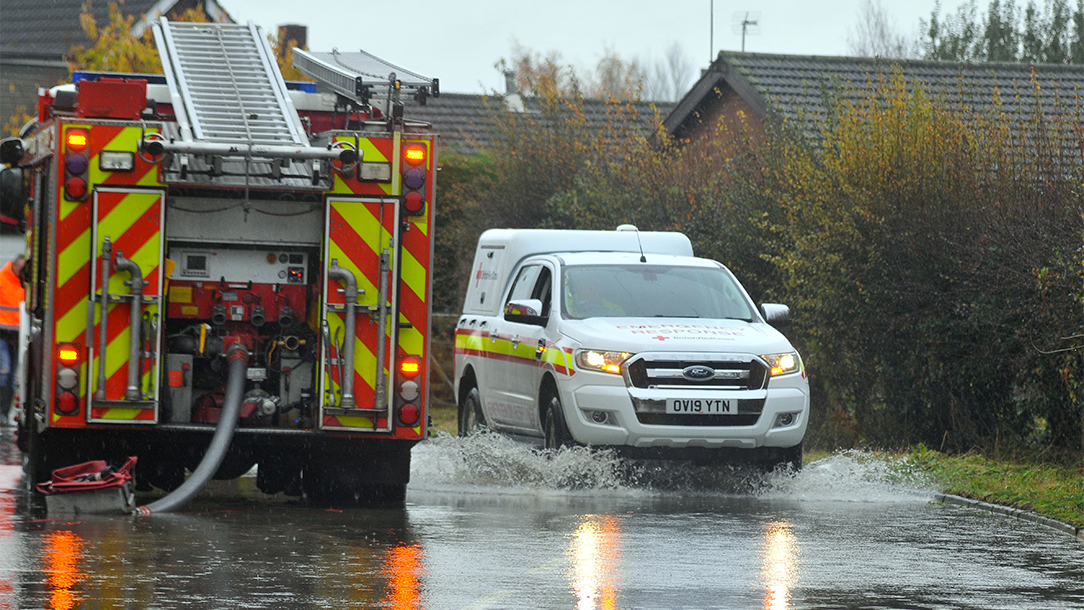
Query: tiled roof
[(36, 29), (465, 122), (800, 87), (50, 28)]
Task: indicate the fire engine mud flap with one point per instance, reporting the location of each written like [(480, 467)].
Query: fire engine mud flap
[(375, 475)]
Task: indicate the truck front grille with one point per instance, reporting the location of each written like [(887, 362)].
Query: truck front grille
[(730, 373)]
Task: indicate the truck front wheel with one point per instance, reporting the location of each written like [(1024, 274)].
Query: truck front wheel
[(792, 459), (554, 426), (470, 413)]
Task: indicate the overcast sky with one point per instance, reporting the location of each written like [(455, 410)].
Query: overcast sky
[(459, 41)]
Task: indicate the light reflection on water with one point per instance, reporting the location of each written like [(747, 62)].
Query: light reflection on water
[(596, 558), (779, 566), (403, 571), (63, 572)]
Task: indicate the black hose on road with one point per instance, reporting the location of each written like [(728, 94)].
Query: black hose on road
[(237, 357)]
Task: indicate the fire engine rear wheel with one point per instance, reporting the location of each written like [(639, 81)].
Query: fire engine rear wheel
[(554, 426), (471, 419)]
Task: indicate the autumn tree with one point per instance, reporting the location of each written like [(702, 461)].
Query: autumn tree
[(875, 34), (112, 47), (1053, 33), (614, 77)]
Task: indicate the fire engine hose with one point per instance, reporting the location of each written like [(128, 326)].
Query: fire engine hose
[(133, 392), (346, 354), (237, 357)]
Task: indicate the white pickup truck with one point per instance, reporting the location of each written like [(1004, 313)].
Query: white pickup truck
[(624, 339)]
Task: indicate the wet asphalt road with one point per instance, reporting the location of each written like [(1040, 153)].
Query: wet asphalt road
[(490, 524)]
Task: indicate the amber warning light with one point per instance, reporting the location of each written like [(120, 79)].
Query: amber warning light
[(415, 155), (68, 355), (410, 367), (77, 140)]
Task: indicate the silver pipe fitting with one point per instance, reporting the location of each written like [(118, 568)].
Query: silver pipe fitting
[(133, 392)]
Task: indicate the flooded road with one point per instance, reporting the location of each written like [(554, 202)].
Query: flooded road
[(491, 524)]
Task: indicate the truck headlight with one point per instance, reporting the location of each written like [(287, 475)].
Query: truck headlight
[(781, 364), (603, 362)]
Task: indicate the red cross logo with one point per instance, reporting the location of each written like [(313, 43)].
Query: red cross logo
[(660, 338)]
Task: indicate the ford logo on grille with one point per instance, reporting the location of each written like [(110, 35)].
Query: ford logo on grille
[(698, 373)]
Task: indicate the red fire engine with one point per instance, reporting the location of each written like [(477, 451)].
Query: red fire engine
[(228, 271)]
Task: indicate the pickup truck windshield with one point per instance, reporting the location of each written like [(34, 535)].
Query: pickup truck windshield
[(620, 291)]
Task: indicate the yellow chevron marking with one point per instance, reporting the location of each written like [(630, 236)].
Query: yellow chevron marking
[(117, 222), (67, 207), (72, 325), (350, 421), (421, 224), (116, 353), (410, 339), (150, 178), (365, 362), (125, 213), (365, 224), (370, 153), (120, 413), (413, 274), (73, 257)]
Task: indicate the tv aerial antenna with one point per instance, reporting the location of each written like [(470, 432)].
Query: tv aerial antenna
[(746, 23)]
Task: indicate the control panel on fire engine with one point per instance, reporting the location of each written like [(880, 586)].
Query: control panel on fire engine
[(259, 266)]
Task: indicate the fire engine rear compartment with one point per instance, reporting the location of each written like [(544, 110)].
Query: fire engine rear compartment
[(162, 256), (265, 287)]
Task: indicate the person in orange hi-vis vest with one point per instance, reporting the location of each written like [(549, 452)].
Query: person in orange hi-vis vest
[(11, 295)]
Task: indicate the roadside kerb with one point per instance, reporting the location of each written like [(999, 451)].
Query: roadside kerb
[(1012, 512)]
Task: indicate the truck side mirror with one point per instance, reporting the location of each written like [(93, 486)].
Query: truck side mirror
[(11, 151), (12, 195), (775, 314), (525, 311)]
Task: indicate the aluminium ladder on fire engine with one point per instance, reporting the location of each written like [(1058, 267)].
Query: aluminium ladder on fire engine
[(356, 75), (228, 96)]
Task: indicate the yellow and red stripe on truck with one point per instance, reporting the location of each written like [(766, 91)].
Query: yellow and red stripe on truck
[(356, 239), (74, 226), (501, 347)]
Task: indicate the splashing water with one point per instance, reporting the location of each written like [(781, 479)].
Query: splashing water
[(852, 476), (494, 463)]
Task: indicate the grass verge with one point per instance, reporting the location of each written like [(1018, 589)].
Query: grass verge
[(444, 419), (1048, 489)]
